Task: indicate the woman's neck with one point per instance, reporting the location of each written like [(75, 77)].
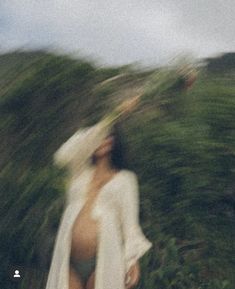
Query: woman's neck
[(103, 165)]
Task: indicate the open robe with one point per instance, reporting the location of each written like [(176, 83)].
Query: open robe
[(121, 241)]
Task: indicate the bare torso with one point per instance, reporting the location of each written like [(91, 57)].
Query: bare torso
[(85, 229)]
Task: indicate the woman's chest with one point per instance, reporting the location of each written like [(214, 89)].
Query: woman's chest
[(106, 199)]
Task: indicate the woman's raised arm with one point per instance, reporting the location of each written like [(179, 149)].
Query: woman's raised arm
[(77, 150)]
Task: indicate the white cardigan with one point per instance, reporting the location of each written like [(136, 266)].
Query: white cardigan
[(121, 240)]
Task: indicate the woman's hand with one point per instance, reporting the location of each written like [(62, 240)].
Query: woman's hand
[(121, 110), (133, 276), (129, 104)]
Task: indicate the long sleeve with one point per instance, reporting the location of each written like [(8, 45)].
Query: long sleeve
[(77, 150), (135, 242)]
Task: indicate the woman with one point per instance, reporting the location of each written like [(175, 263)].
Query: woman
[(99, 240)]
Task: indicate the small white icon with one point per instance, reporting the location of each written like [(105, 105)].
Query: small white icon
[(17, 274)]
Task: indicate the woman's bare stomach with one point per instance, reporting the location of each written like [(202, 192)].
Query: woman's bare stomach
[(84, 234)]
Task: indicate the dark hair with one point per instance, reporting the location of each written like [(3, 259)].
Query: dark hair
[(118, 151)]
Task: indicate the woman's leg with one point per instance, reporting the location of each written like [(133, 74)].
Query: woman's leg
[(74, 280), (91, 281)]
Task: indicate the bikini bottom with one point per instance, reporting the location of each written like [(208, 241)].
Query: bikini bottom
[(84, 268)]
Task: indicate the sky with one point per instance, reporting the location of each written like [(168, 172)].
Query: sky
[(117, 32)]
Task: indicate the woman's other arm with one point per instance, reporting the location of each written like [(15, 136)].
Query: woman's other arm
[(135, 242)]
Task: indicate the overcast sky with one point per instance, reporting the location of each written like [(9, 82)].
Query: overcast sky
[(120, 31)]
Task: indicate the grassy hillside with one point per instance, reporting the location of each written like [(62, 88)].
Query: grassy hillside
[(182, 146)]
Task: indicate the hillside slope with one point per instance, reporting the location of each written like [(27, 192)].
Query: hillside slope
[(182, 146)]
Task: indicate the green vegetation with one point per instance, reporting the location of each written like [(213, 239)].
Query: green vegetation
[(181, 145)]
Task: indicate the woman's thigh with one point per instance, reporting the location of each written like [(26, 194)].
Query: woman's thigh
[(91, 281), (74, 280)]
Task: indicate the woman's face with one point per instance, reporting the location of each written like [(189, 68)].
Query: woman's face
[(105, 147)]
